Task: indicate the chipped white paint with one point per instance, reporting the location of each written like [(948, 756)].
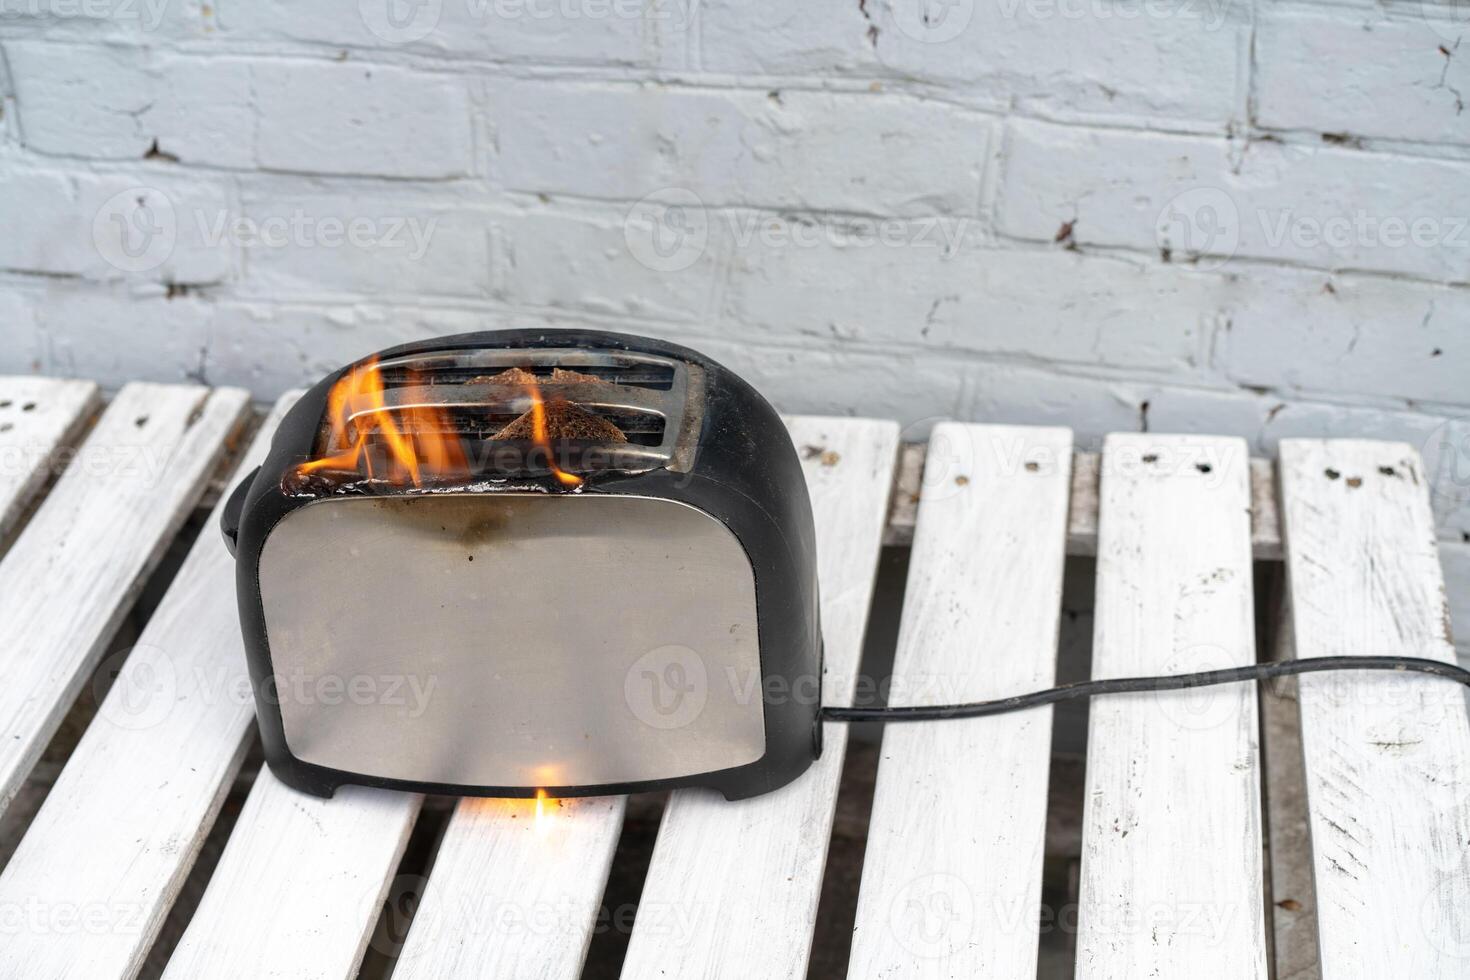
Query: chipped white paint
[(37, 415), (1387, 756), (1171, 862), (952, 876), (741, 879), (298, 887), (71, 574), (142, 787)]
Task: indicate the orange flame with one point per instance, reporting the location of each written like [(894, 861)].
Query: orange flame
[(540, 808), (421, 443), (541, 436)]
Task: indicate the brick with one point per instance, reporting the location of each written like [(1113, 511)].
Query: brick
[(74, 224), (1211, 411), (1348, 337), (1325, 207), (21, 352), (116, 332), (914, 388), (601, 32), (331, 245), (855, 153), (1059, 58), (361, 119), (1092, 407), (117, 102), (1403, 81), (1048, 304), (768, 37), (583, 262)]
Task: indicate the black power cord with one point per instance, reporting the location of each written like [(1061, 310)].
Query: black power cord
[(1166, 682)]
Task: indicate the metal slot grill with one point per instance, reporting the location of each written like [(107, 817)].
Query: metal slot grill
[(655, 401)]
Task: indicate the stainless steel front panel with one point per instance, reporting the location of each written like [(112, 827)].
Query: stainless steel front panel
[(513, 639)]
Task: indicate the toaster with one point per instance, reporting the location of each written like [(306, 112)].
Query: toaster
[(514, 562)]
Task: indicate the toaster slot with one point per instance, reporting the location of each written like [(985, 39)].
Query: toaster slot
[(456, 417)]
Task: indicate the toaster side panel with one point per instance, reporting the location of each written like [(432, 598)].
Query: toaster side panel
[(513, 639)]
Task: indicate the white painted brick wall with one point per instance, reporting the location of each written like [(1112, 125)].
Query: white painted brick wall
[(1243, 216)]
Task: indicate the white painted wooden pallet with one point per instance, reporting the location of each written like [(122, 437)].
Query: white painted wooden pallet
[(1172, 879)]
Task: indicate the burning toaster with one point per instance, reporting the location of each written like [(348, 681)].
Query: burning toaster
[(513, 561)]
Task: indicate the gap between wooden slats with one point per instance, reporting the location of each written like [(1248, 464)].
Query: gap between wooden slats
[(952, 876), (1171, 862), (732, 888), (121, 827), (1387, 757), (37, 415), (71, 575)]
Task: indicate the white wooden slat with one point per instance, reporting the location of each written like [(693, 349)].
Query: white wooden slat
[(732, 888), (514, 893), (952, 877), (71, 574), (36, 416), (1387, 757), (298, 887), (1172, 880), (121, 826)]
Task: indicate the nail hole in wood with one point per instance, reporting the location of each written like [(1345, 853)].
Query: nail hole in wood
[(1332, 474), (1355, 481), (1203, 467), (1388, 471), (961, 480), (1032, 466), (28, 406), (5, 403), (6, 426), (1151, 458), (140, 421)]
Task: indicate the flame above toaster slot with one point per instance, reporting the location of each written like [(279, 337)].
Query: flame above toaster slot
[(457, 417)]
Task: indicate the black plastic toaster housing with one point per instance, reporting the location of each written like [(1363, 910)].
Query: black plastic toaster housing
[(500, 633)]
